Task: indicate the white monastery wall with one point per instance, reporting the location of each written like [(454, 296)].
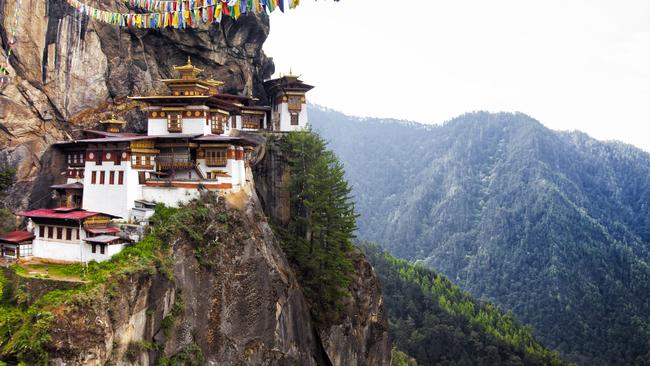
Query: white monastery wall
[(170, 196), (157, 126), (285, 118), (108, 198)]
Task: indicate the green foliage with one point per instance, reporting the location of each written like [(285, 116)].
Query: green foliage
[(399, 358), (7, 221), (24, 331), (190, 355), (7, 177), (317, 240), (135, 348), (169, 320), (554, 226), (434, 321)]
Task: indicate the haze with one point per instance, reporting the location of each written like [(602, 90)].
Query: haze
[(573, 65)]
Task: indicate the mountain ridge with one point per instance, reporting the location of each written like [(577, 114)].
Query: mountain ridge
[(511, 210)]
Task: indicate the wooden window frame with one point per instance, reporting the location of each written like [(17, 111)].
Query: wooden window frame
[(59, 233), (295, 116), (217, 123), (50, 232), (93, 177), (175, 122), (102, 177), (291, 101), (216, 157), (111, 177), (120, 177), (41, 231), (252, 121), (68, 234)]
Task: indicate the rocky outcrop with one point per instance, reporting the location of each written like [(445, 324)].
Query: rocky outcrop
[(67, 72), (241, 306), (232, 300), (360, 335)]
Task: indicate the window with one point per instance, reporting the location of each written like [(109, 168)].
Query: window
[(217, 122), (94, 248), (102, 248), (102, 176), (294, 119), (174, 122), (59, 233), (77, 231), (141, 178), (215, 157), (120, 178), (295, 102), (111, 178), (50, 232), (68, 234), (26, 250), (252, 121), (93, 177)]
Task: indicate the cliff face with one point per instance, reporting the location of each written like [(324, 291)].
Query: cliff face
[(360, 335), (230, 301), (67, 72)]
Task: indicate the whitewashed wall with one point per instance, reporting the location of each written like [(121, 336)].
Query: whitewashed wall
[(285, 118)]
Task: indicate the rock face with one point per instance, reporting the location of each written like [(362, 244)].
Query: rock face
[(360, 336), (67, 71), (240, 307)]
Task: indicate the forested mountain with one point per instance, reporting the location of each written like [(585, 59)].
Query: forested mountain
[(552, 225), (437, 323)]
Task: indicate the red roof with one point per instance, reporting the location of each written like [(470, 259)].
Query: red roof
[(104, 230), (17, 236), (76, 215)]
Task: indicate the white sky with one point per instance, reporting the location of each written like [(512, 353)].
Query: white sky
[(571, 64)]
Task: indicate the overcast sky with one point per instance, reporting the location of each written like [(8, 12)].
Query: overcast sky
[(573, 65)]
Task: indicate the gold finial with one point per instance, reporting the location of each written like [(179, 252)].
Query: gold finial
[(189, 60)]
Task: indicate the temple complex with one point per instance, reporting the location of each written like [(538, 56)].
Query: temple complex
[(195, 140)]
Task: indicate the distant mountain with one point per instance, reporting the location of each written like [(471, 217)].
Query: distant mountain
[(437, 323), (552, 225)]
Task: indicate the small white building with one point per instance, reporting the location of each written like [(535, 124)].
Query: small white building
[(73, 235), (16, 245), (289, 103)]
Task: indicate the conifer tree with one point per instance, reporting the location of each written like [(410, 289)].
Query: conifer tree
[(322, 224)]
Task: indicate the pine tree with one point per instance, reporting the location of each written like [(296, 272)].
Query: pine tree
[(319, 236)]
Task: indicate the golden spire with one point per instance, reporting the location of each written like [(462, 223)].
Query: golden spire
[(113, 124), (188, 71)]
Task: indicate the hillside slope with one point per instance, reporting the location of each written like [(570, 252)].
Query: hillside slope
[(555, 226), (437, 323)]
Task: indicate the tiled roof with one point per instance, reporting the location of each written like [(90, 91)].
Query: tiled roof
[(76, 215), (17, 236)]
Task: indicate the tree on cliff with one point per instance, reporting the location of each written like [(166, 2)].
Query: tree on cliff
[(320, 231)]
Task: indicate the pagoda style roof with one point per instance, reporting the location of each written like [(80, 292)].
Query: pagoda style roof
[(286, 83), (113, 121), (17, 237), (225, 139), (75, 185), (188, 67), (63, 213), (102, 239)]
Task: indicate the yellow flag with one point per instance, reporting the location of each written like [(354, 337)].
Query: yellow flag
[(237, 13), (175, 20)]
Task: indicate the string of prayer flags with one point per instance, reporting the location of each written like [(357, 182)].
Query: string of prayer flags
[(179, 14)]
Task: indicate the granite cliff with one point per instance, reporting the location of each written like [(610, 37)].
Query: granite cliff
[(67, 72), (227, 298)]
